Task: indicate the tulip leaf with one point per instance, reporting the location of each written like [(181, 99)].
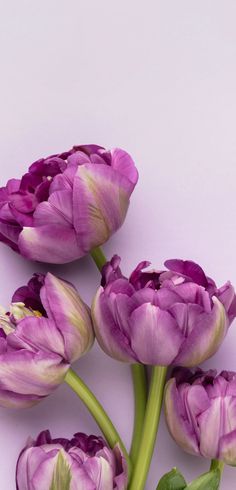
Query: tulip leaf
[(62, 475), (172, 481), (207, 481)]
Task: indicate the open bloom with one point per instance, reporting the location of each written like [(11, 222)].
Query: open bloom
[(47, 328), (84, 462), (200, 412), (175, 316), (67, 204)]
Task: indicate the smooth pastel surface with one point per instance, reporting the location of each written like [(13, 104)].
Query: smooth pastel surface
[(157, 79)]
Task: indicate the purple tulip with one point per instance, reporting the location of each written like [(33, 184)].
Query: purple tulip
[(176, 316), (82, 463), (47, 328), (67, 204), (201, 413)]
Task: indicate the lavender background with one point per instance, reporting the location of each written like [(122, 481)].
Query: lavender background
[(158, 79)]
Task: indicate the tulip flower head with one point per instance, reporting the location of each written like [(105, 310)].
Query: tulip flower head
[(84, 462), (172, 317), (47, 328), (67, 204), (200, 412)]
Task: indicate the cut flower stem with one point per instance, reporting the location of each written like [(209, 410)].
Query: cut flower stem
[(98, 257), (150, 428), (97, 411), (140, 400), (216, 464)]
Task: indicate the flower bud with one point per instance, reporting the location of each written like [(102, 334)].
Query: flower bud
[(82, 463), (200, 412), (47, 328)]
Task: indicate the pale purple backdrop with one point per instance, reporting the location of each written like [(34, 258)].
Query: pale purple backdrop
[(157, 78)]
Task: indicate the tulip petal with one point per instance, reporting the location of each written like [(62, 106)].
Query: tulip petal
[(196, 401), (8, 242), (46, 475), (57, 210), (28, 373), (179, 426), (27, 464), (100, 472), (226, 295), (111, 338), (192, 293), (37, 333), (187, 316), (205, 338), (227, 448), (121, 479), (71, 315), (100, 202), (64, 181), (189, 269), (8, 399), (155, 336), (10, 232), (210, 429), (124, 164), (54, 244), (80, 478)]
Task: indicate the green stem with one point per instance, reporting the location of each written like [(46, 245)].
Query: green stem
[(140, 399), (151, 423), (97, 411), (98, 257), (216, 464)]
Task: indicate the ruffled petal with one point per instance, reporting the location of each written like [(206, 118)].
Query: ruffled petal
[(189, 269)]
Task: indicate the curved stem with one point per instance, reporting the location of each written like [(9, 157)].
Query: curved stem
[(97, 411), (98, 257), (140, 399), (151, 423)]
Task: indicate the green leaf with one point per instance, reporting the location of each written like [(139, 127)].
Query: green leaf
[(207, 481), (62, 475), (172, 481)]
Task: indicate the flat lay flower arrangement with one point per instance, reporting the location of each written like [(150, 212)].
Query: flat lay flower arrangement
[(66, 206)]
